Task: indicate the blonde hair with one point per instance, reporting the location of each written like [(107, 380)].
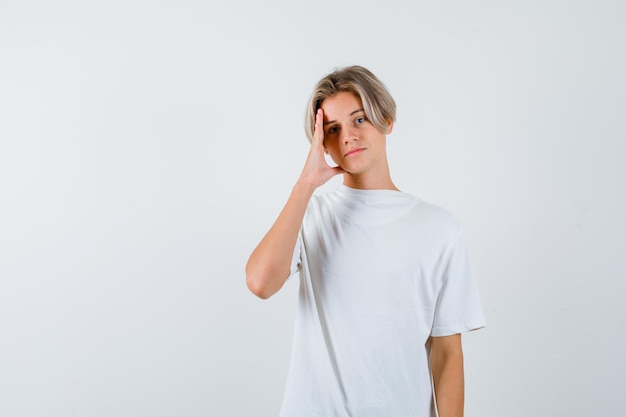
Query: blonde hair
[(379, 106)]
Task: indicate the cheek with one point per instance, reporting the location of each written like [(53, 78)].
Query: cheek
[(332, 155)]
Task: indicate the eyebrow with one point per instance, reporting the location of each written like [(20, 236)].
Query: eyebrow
[(351, 114)]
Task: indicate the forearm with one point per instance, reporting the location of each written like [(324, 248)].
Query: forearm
[(448, 380), (269, 263), (268, 266)]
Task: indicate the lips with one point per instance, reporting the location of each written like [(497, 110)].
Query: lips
[(355, 151)]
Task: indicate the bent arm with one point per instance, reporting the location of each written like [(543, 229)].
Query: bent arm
[(269, 264), (446, 362)]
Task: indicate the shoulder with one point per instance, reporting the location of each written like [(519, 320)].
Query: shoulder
[(440, 218), (432, 218)]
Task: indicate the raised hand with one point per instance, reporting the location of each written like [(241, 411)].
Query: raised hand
[(316, 170), (269, 264)]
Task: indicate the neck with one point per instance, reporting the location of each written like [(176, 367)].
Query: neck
[(369, 182)]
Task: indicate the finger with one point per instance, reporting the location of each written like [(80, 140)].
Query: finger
[(319, 125)]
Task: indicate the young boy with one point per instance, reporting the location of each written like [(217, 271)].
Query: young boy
[(385, 283)]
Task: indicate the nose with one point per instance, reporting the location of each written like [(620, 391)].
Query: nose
[(349, 133)]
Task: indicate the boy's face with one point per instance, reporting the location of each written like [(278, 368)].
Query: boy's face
[(350, 139)]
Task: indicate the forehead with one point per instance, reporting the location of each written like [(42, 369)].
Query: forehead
[(340, 105)]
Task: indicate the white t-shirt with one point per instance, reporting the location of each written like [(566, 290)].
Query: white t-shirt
[(380, 272)]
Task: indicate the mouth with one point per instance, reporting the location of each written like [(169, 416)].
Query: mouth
[(354, 152)]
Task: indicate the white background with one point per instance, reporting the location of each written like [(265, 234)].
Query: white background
[(146, 146)]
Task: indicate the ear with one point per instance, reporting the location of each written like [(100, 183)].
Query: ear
[(389, 126)]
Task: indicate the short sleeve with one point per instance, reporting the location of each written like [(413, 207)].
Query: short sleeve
[(296, 259), (458, 307)]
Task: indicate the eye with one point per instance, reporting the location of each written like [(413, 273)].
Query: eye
[(359, 120), (332, 129)]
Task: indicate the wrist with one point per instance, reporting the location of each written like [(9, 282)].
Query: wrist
[(305, 186)]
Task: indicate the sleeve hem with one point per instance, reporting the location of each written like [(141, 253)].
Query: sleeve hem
[(450, 330)]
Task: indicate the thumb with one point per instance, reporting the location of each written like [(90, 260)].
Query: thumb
[(338, 170)]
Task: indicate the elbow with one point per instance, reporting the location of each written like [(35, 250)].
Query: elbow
[(258, 289), (259, 285)]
